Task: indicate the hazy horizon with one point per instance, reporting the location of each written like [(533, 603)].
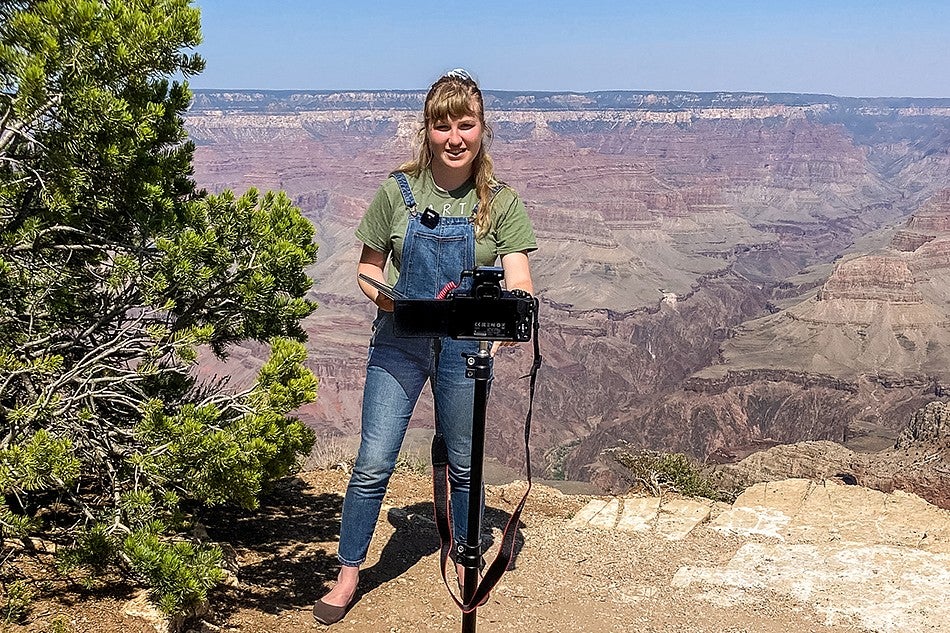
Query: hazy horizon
[(556, 92)]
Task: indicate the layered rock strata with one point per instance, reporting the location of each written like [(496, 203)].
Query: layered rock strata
[(854, 360), (665, 221), (918, 462)]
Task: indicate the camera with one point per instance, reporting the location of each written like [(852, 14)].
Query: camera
[(477, 309)]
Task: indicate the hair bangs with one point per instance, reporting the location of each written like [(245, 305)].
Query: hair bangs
[(454, 102)]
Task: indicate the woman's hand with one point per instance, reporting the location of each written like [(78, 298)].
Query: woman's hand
[(384, 303), (496, 345), (372, 264), (517, 277)]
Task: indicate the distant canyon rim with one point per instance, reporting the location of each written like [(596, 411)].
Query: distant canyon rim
[(718, 272)]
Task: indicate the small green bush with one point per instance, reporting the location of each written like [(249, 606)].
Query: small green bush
[(59, 624), (556, 458), (178, 573), (660, 472), (17, 599)]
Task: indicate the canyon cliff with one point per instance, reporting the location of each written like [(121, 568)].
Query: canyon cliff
[(859, 360), (717, 271)]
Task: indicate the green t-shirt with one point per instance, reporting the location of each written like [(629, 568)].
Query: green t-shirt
[(383, 227)]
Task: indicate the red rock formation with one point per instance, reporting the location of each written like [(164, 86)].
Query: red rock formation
[(921, 469), (660, 232), (908, 241), (934, 216), (919, 462), (872, 278), (931, 259)]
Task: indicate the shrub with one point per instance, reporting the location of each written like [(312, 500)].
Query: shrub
[(659, 472)]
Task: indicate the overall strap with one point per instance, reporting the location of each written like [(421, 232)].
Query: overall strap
[(407, 196), (410, 200)]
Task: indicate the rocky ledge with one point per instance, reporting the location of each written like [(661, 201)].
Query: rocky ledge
[(918, 463)]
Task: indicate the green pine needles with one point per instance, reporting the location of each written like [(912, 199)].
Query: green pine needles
[(116, 275), (658, 472)]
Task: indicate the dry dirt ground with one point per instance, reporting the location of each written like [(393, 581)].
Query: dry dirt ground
[(564, 578)]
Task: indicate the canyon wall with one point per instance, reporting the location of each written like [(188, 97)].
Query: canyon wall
[(678, 232), (852, 362)]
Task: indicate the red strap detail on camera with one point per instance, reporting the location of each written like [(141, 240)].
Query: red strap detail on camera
[(449, 287)]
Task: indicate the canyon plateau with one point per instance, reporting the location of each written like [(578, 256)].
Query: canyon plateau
[(718, 272)]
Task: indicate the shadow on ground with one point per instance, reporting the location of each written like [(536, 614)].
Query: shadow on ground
[(416, 537), (285, 549), (279, 549)]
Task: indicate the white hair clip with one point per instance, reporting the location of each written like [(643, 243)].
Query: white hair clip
[(460, 73)]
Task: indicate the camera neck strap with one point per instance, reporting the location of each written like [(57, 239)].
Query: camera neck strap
[(440, 486)]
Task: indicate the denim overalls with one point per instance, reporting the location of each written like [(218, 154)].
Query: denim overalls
[(397, 370)]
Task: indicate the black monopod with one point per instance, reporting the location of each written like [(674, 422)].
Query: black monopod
[(478, 309)]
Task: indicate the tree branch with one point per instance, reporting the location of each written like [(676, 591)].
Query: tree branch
[(18, 128)]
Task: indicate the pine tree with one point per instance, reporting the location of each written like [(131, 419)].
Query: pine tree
[(115, 272)]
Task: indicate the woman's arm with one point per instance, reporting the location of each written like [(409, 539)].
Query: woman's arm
[(517, 272), (372, 264), (517, 277)]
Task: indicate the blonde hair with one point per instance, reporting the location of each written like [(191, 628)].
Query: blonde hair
[(453, 96)]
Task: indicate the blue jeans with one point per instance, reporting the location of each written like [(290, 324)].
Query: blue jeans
[(397, 370)]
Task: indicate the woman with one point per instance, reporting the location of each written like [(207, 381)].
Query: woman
[(438, 215)]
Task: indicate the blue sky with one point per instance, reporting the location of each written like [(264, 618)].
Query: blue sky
[(840, 47)]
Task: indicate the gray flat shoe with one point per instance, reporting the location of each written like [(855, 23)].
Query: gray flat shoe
[(328, 614)]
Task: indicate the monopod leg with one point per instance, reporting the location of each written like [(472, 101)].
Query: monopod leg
[(478, 367)]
